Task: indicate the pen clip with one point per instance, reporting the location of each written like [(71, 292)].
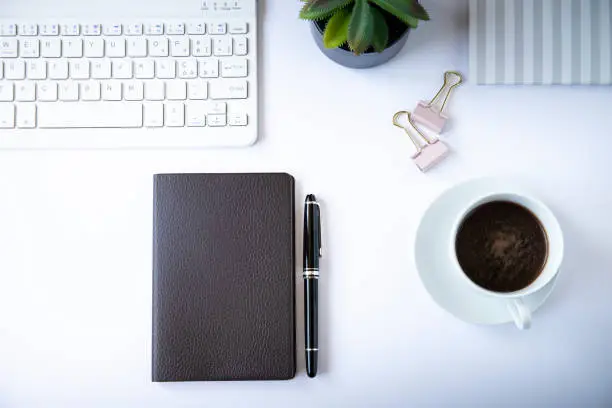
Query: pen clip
[(320, 245)]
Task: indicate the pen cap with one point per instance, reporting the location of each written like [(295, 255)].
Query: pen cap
[(312, 232)]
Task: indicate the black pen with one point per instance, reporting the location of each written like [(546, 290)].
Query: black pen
[(312, 253)]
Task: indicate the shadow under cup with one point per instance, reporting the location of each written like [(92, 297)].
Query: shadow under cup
[(507, 245)]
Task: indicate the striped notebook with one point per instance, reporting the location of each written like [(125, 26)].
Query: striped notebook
[(541, 42)]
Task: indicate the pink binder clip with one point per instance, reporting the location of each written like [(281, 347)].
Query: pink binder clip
[(429, 152), (428, 114)]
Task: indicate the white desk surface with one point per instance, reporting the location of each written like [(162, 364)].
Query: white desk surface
[(75, 242)]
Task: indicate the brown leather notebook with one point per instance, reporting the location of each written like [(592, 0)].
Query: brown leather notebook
[(223, 277)]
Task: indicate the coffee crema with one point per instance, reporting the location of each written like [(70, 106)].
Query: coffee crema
[(501, 246)]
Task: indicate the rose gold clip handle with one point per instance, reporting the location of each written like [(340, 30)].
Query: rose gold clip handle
[(452, 79), (416, 139), (429, 153)]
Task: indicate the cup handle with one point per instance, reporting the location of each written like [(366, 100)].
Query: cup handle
[(520, 313)]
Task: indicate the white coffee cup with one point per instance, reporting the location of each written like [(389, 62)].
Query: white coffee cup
[(520, 313)]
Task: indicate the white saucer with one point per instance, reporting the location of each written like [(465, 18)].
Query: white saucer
[(447, 287)]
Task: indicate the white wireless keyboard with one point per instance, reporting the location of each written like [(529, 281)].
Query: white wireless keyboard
[(149, 83)]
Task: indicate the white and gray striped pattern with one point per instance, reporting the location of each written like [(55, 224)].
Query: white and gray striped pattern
[(541, 42)]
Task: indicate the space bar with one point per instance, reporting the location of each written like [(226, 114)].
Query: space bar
[(89, 115)]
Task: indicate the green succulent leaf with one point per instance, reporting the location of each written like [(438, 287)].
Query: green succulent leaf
[(413, 22), (361, 27), (381, 31), (407, 11), (336, 31), (320, 9), (418, 11)]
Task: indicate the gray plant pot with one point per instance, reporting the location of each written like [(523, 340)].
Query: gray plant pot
[(348, 59)]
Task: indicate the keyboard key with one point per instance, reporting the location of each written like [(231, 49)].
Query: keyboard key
[(49, 29), (115, 48), (154, 29), (222, 46), (234, 67), (154, 114), (25, 91), (112, 91), (241, 46), (26, 116), (14, 69), (28, 30), (155, 91), (92, 29), (176, 90), (158, 47), (7, 115), (8, 48), (166, 69), (1, 69), (216, 108), (101, 69), (6, 92), (209, 68), (144, 69), (72, 48), (112, 29), (216, 120), (197, 89), (79, 69), (228, 89), (30, 48), (196, 28), (133, 91), (188, 69), (122, 69), (90, 91), (218, 28), (69, 91), (36, 69), (201, 47), (47, 91), (94, 47), (133, 29), (137, 47), (70, 29), (237, 119), (238, 28), (51, 48), (90, 115), (175, 114), (8, 30), (58, 69), (179, 47), (175, 29), (196, 114)]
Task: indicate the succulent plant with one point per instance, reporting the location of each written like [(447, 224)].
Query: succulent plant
[(361, 23)]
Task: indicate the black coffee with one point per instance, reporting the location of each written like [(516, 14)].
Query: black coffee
[(501, 246)]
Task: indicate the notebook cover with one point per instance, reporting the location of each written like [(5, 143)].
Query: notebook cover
[(223, 277), (541, 42)]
